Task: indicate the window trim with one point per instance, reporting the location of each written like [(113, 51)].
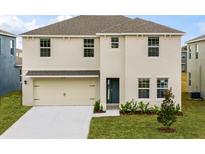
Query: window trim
[(189, 79), (196, 51), (118, 43), (153, 46), (159, 98), (12, 46), (143, 88), (47, 57), (89, 48), (189, 51)]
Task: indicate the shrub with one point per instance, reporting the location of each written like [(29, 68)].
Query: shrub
[(129, 106), (154, 109), (144, 107), (98, 106), (167, 115)]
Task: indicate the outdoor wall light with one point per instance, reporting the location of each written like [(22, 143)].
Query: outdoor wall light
[(25, 82)]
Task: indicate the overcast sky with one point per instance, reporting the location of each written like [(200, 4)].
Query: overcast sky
[(192, 25)]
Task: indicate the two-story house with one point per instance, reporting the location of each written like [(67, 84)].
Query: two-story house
[(196, 67), (9, 72), (111, 58)]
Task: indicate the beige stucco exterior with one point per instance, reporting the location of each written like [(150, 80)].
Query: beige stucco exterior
[(128, 63), (197, 68)]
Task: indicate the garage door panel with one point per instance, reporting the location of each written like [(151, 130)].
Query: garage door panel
[(64, 91)]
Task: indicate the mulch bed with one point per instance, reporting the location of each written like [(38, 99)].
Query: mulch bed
[(137, 113), (167, 130), (142, 113), (99, 111)]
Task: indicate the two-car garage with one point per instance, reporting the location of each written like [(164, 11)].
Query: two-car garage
[(62, 87), (65, 91)]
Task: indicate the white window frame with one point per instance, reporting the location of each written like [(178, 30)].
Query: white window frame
[(153, 46), (196, 51), (143, 88), (12, 46), (189, 51), (162, 88), (189, 78), (115, 43), (84, 48), (45, 47)]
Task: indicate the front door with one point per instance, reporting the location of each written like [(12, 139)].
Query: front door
[(112, 91)]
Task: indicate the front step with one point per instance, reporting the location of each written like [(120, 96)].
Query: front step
[(112, 106)]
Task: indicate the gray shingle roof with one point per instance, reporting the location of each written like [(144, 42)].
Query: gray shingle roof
[(80, 25), (140, 26), (92, 24), (63, 73), (197, 38), (2, 32)]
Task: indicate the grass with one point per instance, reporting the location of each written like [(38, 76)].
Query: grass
[(189, 126), (11, 110)]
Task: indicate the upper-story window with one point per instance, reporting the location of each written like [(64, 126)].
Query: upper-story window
[(196, 51), (143, 88), (153, 46), (0, 47), (115, 42), (45, 47), (12, 47), (189, 52), (89, 47), (162, 87)]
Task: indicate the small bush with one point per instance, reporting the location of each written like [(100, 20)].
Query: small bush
[(168, 113), (98, 106), (129, 106), (144, 107)]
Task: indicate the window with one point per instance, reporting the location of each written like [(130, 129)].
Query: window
[(196, 51), (189, 52), (88, 47), (45, 47), (189, 79), (153, 46), (12, 47), (143, 88), (114, 42), (0, 46), (162, 87)]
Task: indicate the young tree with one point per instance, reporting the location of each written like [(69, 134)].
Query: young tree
[(167, 115)]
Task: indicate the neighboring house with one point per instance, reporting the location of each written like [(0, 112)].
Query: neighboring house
[(18, 53), (196, 67), (111, 58), (9, 73), (184, 58)]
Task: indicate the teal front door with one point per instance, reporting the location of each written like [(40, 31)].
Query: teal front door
[(112, 91)]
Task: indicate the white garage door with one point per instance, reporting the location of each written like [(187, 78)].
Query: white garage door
[(64, 91)]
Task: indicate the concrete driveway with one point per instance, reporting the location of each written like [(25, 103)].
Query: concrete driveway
[(56, 122)]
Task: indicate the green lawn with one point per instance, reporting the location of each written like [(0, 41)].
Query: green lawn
[(10, 110), (191, 125)]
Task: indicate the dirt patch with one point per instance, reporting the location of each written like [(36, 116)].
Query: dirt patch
[(167, 130)]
